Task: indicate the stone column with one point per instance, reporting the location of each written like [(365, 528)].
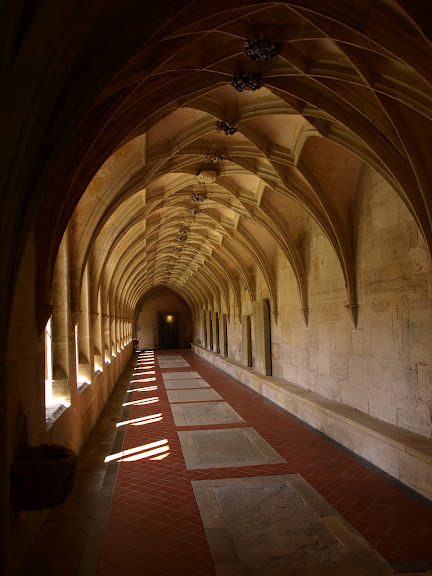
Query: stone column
[(117, 344), (113, 344), (209, 330), (117, 341), (215, 327), (62, 340), (261, 314), (203, 329), (96, 321), (106, 337), (85, 338), (246, 341)]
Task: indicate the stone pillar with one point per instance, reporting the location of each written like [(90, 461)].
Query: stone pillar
[(262, 349), (107, 338), (209, 330), (203, 329), (62, 341), (96, 320), (246, 341), (215, 326), (113, 344), (116, 330), (85, 338), (124, 331)]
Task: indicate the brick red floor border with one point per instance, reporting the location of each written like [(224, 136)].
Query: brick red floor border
[(154, 525)]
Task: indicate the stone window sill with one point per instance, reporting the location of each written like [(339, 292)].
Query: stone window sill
[(82, 386), (52, 413)]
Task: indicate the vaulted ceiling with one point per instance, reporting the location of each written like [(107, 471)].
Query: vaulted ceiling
[(348, 89)]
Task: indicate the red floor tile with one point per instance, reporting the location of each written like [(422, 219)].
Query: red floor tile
[(154, 516)]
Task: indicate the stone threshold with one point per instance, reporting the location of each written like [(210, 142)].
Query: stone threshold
[(402, 454)]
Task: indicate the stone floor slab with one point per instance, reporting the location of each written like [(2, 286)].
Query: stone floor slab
[(262, 526), (193, 395), (172, 360), (144, 515), (202, 413), (179, 375), (189, 383), (226, 448)]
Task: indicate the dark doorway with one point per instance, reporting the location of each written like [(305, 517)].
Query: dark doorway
[(169, 330)]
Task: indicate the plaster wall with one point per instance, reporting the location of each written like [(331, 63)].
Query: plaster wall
[(146, 325)]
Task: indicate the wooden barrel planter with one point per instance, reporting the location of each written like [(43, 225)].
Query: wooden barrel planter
[(42, 477)]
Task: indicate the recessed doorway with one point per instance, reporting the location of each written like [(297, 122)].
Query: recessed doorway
[(169, 330)]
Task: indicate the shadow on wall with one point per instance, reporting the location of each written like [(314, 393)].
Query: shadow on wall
[(147, 322)]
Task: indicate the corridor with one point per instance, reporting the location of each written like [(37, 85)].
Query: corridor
[(153, 472)]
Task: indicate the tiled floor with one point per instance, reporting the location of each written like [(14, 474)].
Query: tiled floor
[(153, 526)]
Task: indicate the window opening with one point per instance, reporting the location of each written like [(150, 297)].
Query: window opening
[(48, 365)]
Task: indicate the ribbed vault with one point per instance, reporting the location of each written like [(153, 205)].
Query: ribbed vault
[(137, 182), (343, 96)]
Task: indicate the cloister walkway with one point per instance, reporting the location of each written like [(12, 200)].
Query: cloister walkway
[(190, 473)]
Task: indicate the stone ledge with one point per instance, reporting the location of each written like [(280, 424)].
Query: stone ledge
[(52, 413), (405, 455)]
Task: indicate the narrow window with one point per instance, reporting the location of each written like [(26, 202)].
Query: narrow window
[(48, 365), (76, 351), (217, 334), (226, 336)]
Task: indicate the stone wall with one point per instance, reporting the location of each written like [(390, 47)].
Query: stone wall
[(403, 454), (383, 366), (234, 327), (27, 422), (147, 323)]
